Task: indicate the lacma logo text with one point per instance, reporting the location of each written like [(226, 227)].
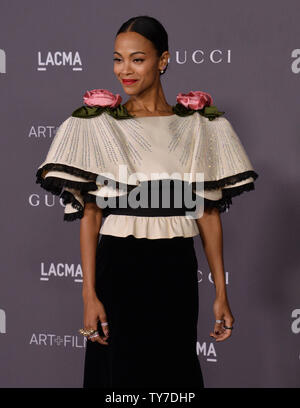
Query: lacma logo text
[(61, 270), (59, 59)]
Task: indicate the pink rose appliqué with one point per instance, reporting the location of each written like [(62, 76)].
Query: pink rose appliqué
[(102, 97), (194, 100)]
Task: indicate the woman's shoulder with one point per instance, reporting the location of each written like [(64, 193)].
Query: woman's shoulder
[(97, 101)]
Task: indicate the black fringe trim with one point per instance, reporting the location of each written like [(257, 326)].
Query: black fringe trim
[(73, 216), (222, 205), (68, 169), (69, 198), (226, 201), (57, 184), (212, 185), (234, 191)]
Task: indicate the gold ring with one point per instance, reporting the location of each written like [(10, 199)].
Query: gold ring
[(86, 332)]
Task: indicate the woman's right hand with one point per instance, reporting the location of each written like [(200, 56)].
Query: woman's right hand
[(93, 312)]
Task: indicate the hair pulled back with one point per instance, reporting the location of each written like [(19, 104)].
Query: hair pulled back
[(150, 28)]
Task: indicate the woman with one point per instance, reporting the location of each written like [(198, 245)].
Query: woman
[(140, 290)]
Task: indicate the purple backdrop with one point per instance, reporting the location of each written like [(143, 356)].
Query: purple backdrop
[(247, 56)]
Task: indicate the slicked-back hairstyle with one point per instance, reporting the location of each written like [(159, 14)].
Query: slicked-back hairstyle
[(150, 28)]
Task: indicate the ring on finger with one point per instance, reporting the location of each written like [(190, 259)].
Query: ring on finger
[(86, 332), (95, 334)]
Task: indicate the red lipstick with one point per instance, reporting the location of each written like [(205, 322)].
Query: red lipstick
[(129, 81)]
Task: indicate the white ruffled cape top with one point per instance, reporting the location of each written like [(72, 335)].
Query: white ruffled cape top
[(85, 148)]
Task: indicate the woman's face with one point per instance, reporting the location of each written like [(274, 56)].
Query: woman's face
[(135, 58)]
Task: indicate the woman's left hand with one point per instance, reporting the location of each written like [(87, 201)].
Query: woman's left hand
[(222, 312)]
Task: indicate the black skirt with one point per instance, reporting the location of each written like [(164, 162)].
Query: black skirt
[(149, 289)]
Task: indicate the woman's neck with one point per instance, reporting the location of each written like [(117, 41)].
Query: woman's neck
[(152, 104)]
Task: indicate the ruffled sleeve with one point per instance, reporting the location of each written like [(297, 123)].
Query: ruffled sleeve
[(59, 176), (221, 156), (74, 191)]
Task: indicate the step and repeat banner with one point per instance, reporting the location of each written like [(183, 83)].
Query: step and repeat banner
[(247, 56)]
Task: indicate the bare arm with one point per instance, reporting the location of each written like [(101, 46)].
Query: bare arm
[(89, 234), (94, 309), (211, 233)]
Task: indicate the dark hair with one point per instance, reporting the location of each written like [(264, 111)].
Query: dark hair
[(150, 28)]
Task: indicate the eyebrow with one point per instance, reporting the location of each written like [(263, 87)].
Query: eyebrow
[(136, 52)]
